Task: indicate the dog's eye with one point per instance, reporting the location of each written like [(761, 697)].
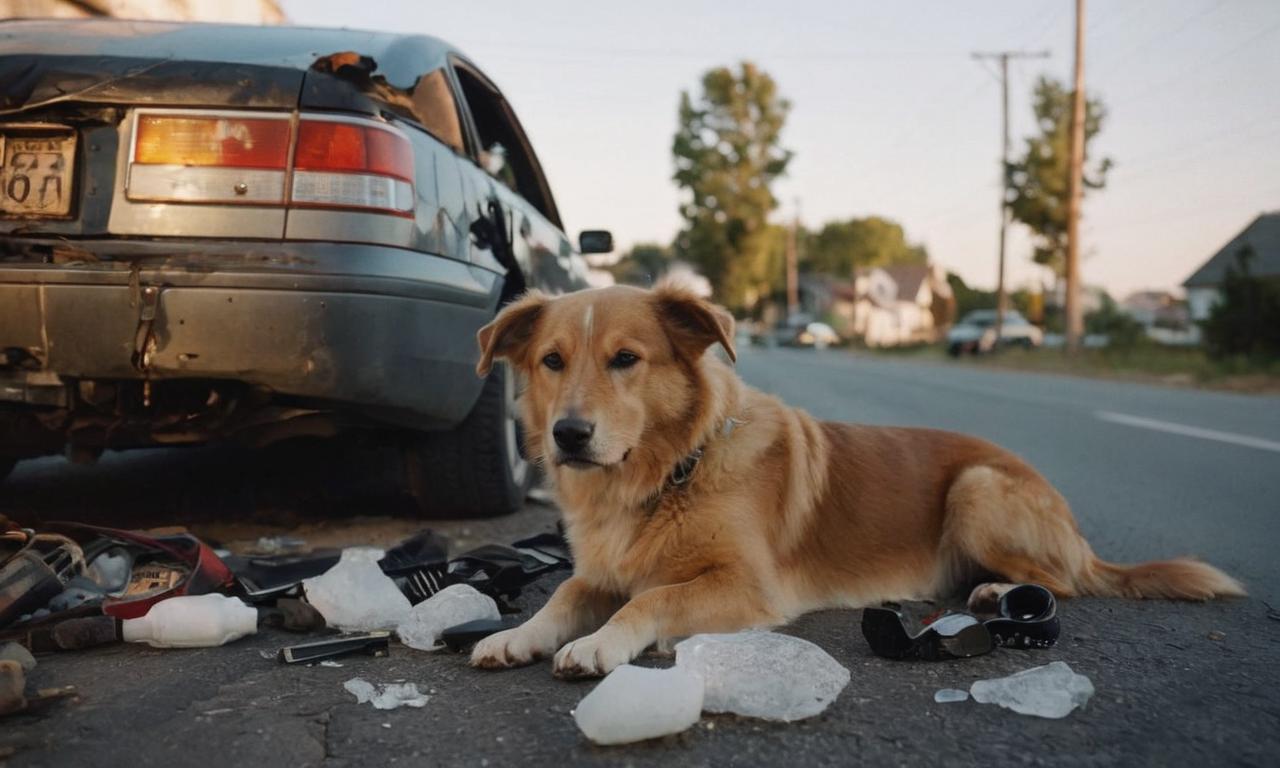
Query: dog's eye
[(624, 359), (554, 361)]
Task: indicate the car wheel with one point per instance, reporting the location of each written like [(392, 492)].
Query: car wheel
[(477, 469), (955, 350)]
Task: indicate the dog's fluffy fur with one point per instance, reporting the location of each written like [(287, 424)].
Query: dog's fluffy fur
[(783, 514)]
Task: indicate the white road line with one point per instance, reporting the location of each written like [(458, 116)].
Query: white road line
[(1182, 429)]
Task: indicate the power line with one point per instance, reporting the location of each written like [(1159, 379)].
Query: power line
[(1162, 36), (1003, 57)]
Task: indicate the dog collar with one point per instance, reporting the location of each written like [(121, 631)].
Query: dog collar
[(684, 469)]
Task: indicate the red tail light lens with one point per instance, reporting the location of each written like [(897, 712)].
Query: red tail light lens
[(352, 148)]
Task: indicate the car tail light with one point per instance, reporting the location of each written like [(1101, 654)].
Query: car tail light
[(349, 164), (209, 158), (196, 157)]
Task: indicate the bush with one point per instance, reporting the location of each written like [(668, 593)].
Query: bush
[(1246, 320), (1123, 331)]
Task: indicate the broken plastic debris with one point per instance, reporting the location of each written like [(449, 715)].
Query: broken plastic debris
[(356, 595), (950, 695), (192, 621), (451, 606), (1050, 691), (386, 696), (763, 674), (637, 703), (330, 663), (110, 570)]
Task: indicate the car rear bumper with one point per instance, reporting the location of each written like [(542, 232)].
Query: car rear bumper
[(385, 331)]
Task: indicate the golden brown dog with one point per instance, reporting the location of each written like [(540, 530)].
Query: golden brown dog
[(694, 503)]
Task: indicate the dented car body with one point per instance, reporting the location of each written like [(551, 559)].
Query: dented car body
[(216, 231)]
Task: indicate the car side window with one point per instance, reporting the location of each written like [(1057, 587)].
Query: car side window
[(504, 150), (435, 108)]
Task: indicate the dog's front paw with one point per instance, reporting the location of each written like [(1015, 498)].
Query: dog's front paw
[(595, 655), (985, 598), (513, 648)]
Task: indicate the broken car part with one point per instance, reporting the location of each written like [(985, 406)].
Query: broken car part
[(462, 636), (365, 644), (952, 636), (1027, 617)]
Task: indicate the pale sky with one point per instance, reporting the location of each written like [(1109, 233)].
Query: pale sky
[(890, 114)]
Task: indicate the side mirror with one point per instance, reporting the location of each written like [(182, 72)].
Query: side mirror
[(595, 241)]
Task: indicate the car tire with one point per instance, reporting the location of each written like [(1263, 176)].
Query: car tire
[(955, 350), (478, 468)]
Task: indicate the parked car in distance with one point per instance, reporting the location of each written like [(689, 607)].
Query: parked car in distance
[(800, 331), (815, 335), (258, 233), (976, 332)]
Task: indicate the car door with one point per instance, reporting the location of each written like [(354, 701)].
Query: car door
[(517, 220)]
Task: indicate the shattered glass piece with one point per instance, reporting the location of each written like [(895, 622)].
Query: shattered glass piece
[(387, 695), (763, 674), (355, 595), (1050, 691), (638, 703), (451, 606), (950, 695)]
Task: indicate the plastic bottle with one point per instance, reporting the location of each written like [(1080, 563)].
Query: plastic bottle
[(192, 621)]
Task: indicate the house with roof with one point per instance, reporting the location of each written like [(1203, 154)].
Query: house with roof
[(901, 304), (1204, 285)]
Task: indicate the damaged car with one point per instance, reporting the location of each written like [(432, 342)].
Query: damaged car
[(258, 233)]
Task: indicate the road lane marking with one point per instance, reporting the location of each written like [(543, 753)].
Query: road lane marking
[(1188, 431)]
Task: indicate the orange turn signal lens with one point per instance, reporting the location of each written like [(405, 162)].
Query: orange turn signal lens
[(229, 142)]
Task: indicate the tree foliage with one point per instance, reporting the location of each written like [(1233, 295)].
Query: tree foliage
[(840, 247), (643, 265), (1246, 320), (968, 299), (727, 155), (1038, 179)]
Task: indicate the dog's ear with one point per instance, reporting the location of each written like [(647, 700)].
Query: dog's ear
[(693, 323), (510, 331)]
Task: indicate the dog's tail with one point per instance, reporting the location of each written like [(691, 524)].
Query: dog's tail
[(1183, 578)]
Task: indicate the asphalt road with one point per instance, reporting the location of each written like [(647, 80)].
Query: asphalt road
[(1151, 472)]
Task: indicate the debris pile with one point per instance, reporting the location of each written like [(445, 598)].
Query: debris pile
[(80, 586)]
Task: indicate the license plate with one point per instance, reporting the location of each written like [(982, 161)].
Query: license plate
[(37, 173)]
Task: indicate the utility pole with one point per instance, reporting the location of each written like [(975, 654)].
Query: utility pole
[(1002, 299), (1075, 315), (793, 276)]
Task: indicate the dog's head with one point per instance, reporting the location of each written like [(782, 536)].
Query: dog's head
[(608, 371)]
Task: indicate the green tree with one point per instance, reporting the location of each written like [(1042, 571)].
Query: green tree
[(727, 155), (643, 264), (1038, 180), (840, 247), (1246, 320)]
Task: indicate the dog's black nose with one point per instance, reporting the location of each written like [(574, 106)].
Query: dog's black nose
[(572, 435)]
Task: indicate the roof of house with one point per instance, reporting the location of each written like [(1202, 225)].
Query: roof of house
[(909, 278), (1263, 235)]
